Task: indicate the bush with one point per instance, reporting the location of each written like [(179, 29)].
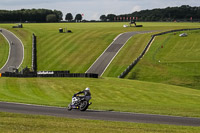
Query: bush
[(51, 18)]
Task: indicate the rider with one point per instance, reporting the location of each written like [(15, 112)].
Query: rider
[(86, 92)]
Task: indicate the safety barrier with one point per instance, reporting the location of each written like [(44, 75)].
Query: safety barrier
[(131, 66), (34, 53), (65, 74)]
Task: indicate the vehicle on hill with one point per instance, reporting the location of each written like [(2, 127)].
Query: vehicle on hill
[(183, 35)]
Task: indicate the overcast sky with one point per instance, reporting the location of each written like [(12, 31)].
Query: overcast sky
[(92, 9)]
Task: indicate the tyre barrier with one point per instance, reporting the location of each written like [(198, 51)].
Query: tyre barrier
[(56, 74), (132, 65)]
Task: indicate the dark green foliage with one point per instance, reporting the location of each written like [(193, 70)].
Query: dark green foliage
[(78, 17), (51, 18), (30, 15), (110, 17), (182, 13), (69, 17), (103, 18), (58, 14)]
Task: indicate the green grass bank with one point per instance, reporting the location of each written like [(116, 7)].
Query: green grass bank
[(171, 60), (17, 123), (107, 94), (77, 51), (4, 51)]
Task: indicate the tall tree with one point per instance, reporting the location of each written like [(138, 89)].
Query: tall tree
[(51, 18), (111, 17), (58, 14), (78, 17), (69, 17), (182, 13), (103, 18)]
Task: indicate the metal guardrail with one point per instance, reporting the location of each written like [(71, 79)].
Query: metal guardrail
[(36, 73), (34, 53)]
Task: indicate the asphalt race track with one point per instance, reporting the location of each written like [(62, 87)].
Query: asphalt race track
[(109, 54), (16, 53), (98, 115)]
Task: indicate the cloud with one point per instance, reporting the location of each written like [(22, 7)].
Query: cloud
[(136, 8), (92, 9)]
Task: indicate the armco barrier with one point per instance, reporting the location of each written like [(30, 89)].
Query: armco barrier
[(34, 53), (130, 67), (36, 73)]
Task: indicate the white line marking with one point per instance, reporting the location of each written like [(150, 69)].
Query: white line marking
[(121, 48), (21, 45), (31, 104), (115, 56), (137, 32), (9, 51), (104, 51)]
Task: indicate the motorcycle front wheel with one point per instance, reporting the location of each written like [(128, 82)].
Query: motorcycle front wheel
[(69, 108)]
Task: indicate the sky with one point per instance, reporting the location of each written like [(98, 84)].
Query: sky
[(93, 9)]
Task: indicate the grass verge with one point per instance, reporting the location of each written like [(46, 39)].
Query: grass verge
[(4, 51), (107, 94), (171, 60), (14, 123)]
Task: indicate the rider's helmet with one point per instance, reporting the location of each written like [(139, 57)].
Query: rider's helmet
[(87, 89)]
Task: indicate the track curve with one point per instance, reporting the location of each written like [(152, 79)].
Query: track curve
[(104, 60), (98, 115), (16, 51)]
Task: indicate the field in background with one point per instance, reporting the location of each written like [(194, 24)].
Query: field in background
[(107, 94), (78, 50), (4, 50), (171, 60), (40, 124)]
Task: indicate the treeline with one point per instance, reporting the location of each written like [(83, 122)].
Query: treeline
[(30, 15), (69, 17), (182, 13)]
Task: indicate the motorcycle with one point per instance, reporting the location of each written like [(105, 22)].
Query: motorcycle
[(79, 102)]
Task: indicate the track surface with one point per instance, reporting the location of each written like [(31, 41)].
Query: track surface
[(98, 115), (109, 54), (16, 53)]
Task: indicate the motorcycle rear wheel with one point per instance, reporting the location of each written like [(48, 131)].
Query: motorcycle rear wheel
[(83, 106)]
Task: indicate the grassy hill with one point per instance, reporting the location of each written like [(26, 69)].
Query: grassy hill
[(4, 50), (78, 50), (107, 94), (171, 60)]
